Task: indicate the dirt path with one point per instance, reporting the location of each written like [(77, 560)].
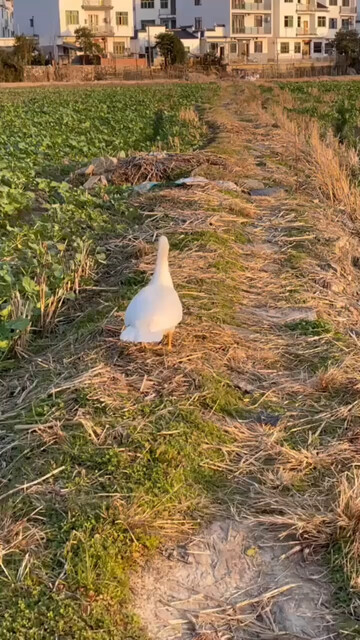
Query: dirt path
[(293, 351), (103, 83)]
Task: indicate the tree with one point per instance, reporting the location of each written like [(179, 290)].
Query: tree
[(347, 43), (171, 49), (85, 39), (26, 51), (11, 69)]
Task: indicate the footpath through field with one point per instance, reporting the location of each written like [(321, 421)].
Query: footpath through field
[(212, 490)]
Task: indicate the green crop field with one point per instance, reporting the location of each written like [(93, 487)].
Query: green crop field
[(335, 104), (50, 231)]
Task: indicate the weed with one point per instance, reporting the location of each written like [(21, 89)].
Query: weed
[(311, 327)]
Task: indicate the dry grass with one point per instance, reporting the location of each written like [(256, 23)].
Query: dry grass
[(328, 164), (160, 167), (189, 115), (313, 450), (252, 615)]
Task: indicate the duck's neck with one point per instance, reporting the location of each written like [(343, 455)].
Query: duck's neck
[(162, 273)]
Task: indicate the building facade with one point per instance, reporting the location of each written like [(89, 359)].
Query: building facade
[(252, 30), (306, 29), (55, 22), (155, 12), (6, 19)]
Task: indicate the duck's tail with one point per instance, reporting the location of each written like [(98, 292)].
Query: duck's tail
[(133, 334)]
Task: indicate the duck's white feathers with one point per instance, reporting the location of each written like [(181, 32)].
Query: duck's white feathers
[(156, 309)]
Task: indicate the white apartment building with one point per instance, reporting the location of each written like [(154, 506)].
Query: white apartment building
[(305, 29), (155, 12), (55, 22), (252, 30), (6, 19)]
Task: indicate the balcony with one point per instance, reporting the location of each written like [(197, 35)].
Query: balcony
[(252, 31), (308, 7), (306, 31), (94, 5), (102, 30), (240, 5), (346, 11), (347, 26)]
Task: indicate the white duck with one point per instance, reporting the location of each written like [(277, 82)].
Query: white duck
[(156, 310)]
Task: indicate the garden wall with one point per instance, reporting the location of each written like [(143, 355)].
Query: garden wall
[(109, 69)]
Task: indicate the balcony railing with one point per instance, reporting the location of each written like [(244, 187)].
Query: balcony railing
[(306, 31), (348, 10), (102, 29), (240, 5), (256, 31), (93, 5), (307, 7)]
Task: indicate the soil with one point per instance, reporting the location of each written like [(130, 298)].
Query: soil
[(202, 585), (201, 589)]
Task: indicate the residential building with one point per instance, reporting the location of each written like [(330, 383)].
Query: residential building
[(305, 29), (55, 22), (217, 42), (143, 44), (252, 29), (155, 12), (6, 19)]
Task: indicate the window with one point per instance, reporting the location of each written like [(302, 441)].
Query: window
[(317, 47), (258, 46), (72, 17), (288, 21), (164, 4), (346, 3), (147, 4), (346, 24), (258, 21), (238, 24), (122, 18), (329, 49), (119, 48), (297, 47), (198, 3), (288, 0), (321, 21), (147, 23), (333, 3), (93, 20), (332, 23), (198, 24), (233, 47), (299, 21), (284, 47)]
